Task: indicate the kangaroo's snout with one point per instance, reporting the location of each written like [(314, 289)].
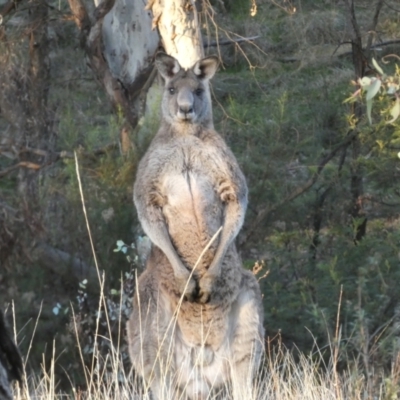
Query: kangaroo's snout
[(185, 105), (185, 109)]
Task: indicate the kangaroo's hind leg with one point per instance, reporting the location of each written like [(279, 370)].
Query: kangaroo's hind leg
[(149, 336), (247, 345)]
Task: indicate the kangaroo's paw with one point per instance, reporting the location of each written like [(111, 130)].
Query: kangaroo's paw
[(206, 286), (227, 191), (186, 286)]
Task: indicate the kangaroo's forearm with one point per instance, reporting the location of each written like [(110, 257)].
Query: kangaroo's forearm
[(233, 221), (158, 234)]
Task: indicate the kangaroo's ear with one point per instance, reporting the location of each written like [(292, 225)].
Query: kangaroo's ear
[(206, 68), (167, 66)]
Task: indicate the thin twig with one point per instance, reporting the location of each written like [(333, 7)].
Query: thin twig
[(374, 46), (225, 42), (8, 7), (21, 164), (371, 30), (346, 53), (391, 7)]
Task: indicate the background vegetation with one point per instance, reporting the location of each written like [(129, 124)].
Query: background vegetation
[(323, 218)]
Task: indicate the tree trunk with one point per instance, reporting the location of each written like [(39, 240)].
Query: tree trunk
[(179, 27), (356, 182), (24, 82), (120, 46), (178, 23), (37, 132)]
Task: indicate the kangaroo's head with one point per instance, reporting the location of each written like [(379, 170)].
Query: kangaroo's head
[(186, 98)]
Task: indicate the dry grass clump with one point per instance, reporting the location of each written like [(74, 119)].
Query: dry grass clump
[(284, 375)]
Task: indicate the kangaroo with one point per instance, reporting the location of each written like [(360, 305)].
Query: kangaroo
[(11, 367), (197, 320)]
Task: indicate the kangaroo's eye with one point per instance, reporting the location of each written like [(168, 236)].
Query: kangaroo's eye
[(171, 90), (199, 92)]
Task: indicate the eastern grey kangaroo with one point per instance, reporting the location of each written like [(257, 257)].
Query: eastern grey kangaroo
[(10, 361), (197, 318)]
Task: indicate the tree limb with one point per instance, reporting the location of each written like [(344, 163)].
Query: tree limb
[(62, 263), (53, 156), (10, 209), (391, 7), (81, 18), (95, 153), (359, 60), (264, 212), (373, 46), (121, 91), (8, 7), (371, 30), (21, 164), (224, 42), (346, 53)]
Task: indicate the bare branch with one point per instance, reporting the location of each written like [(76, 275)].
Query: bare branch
[(21, 164), (224, 42), (371, 30), (81, 17), (7, 207), (391, 7), (356, 41), (8, 7), (53, 156), (374, 46), (95, 153), (62, 263), (264, 212)]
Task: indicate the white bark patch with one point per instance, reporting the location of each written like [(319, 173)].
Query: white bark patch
[(129, 41), (179, 28)]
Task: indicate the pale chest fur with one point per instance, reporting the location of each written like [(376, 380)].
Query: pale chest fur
[(188, 184)]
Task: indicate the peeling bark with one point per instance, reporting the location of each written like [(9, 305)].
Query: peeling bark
[(178, 23), (23, 101), (129, 41), (120, 46)]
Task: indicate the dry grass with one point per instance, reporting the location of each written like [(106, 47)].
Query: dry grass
[(284, 376)]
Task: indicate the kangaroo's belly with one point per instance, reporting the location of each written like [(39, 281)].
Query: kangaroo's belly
[(193, 212)]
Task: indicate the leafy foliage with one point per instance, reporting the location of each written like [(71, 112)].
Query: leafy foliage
[(388, 84)]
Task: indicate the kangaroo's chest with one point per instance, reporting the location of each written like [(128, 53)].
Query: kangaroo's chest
[(190, 178), (192, 207)]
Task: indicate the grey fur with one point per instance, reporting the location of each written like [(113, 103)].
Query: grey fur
[(188, 185)]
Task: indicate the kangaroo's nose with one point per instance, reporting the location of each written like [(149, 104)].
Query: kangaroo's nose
[(186, 109), (185, 102)]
